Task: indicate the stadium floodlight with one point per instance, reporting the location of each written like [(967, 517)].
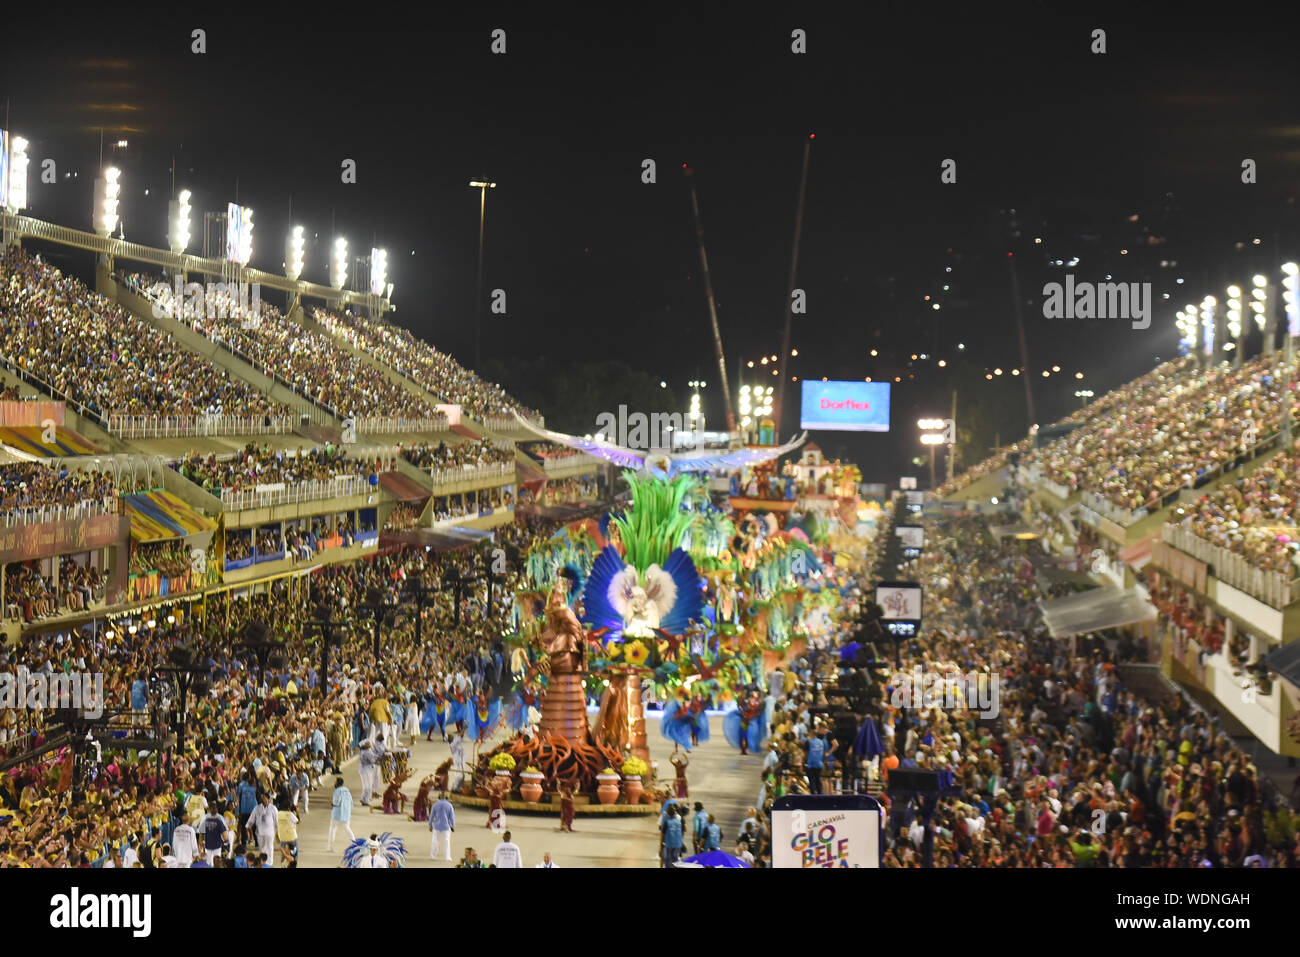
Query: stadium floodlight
[(1207, 322), (1291, 297), (339, 266), (378, 271), (107, 189), (931, 438), (1186, 325), (1234, 311), (293, 253), (17, 198), (178, 232), (1259, 300), (245, 252)]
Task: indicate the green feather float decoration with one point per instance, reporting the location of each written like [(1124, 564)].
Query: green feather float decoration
[(656, 523)]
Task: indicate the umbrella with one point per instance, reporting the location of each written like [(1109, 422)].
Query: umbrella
[(715, 859), (868, 743)]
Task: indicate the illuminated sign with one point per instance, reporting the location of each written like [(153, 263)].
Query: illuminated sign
[(845, 406), (826, 830), (899, 600)]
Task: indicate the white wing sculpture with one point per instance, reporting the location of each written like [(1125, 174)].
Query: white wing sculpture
[(663, 464)]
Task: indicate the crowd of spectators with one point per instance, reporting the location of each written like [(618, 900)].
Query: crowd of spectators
[(552, 450), (82, 347), (171, 558), (31, 595), (1074, 770), (1255, 516), (470, 504), (403, 517), (472, 454), (563, 492), (1166, 431), (252, 733), (32, 488), (311, 364), (434, 370), (263, 465)]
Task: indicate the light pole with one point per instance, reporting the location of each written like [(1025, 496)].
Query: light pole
[(1291, 304), (1083, 395), (1259, 306), (935, 432), (696, 414), (482, 185), (187, 674), (329, 627), (1235, 327)]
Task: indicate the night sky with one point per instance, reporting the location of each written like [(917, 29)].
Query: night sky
[(598, 266)]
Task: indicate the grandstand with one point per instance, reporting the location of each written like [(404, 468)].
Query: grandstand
[(1179, 488), (151, 450)]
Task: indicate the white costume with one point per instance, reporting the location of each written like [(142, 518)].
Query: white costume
[(368, 767), (263, 822), (457, 761)]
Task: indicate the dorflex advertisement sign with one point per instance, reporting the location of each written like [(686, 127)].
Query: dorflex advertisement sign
[(845, 406), (826, 830)]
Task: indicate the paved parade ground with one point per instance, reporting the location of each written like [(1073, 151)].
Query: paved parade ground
[(718, 776)]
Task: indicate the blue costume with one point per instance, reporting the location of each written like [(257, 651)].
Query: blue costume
[(678, 721), (756, 728)]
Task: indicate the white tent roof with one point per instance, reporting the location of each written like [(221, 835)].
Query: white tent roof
[(1095, 610)]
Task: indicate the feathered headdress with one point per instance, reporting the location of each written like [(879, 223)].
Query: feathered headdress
[(392, 847)]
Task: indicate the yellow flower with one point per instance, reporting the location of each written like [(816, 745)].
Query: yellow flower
[(615, 649), (636, 653)]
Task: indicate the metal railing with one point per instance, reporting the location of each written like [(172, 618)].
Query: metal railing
[(186, 426), (456, 475), (1116, 513), (507, 423), (233, 500), (568, 462), (40, 515), (390, 425), (1277, 589)]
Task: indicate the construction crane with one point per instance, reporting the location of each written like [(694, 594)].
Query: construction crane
[(713, 308)]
